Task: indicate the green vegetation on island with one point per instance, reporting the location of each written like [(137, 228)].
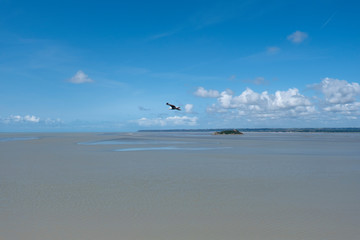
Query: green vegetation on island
[(229, 132)]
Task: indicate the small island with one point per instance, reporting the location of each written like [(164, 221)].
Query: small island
[(229, 132)]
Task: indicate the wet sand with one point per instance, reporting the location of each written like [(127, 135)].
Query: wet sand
[(257, 186)]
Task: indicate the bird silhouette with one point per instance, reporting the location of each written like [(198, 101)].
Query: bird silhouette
[(173, 107)]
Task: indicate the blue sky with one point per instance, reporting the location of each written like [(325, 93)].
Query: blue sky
[(112, 65)]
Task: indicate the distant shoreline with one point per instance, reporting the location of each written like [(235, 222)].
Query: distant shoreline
[(310, 130)]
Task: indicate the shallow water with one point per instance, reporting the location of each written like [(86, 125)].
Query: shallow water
[(10, 139), (130, 142), (167, 148), (269, 186)]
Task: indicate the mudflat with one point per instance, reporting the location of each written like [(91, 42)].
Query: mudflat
[(258, 186)]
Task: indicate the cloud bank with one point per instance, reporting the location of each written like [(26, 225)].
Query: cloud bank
[(29, 120), (21, 119), (338, 96), (264, 105), (338, 91)]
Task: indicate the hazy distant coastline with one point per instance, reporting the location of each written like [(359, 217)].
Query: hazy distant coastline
[(340, 130)]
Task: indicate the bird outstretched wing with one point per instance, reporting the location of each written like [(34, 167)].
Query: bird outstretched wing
[(173, 107)]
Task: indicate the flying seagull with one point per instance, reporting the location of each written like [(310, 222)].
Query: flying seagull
[(173, 107)]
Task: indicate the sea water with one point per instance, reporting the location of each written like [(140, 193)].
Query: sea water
[(268, 186)]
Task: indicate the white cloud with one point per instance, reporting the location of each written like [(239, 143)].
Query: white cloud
[(177, 120), (15, 118), (348, 108), (80, 77), (340, 96), (297, 37), (20, 119), (264, 101), (188, 108), (265, 105), (50, 121), (290, 99), (340, 101), (151, 122), (338, 91), (201, 92), (169, 121), (31, 118)]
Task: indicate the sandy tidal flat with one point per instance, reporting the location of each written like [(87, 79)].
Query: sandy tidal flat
[(257, 186)]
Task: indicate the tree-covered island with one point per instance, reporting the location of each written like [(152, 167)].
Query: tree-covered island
[(229, 132)]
